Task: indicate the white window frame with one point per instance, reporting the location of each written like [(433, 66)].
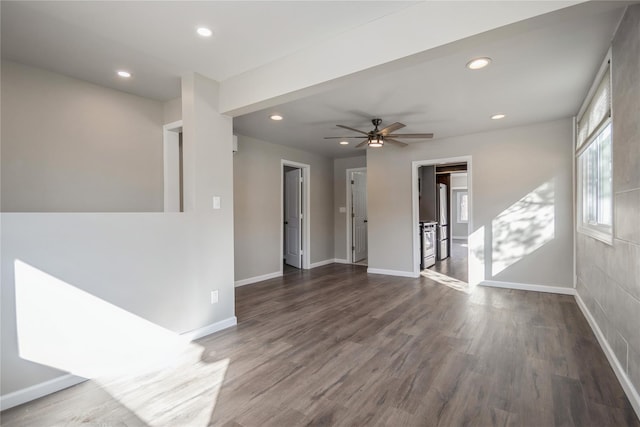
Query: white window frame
[(601, 232), (459, 195)]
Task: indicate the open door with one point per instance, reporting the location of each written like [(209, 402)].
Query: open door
[(359, 215), (293, 218)]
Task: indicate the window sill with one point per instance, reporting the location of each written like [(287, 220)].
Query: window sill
[(602, 235)]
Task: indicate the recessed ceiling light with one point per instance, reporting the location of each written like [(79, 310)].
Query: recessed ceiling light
[(275, 117), (124, 74), (204, 31), (498, 116), (478, 63), (344, 142)]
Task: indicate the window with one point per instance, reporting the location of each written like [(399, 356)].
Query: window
[(594, 162), (462, 202)]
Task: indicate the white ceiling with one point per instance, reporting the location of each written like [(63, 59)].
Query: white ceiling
[(541, 67), (157, 39)]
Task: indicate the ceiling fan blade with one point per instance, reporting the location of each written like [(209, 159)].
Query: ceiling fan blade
[(392, 127), (363, 143), (355, 130), (342, 137), (412, 135), (396, 142)]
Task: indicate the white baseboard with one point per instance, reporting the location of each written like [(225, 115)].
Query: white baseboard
[(255, 279), (392, 272), (321, 263), (68, 380), (625, 382), (210, 329), (528, 287), (38, 390), (341, 261)]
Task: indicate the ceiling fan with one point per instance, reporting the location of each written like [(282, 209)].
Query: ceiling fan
[(378, 137)]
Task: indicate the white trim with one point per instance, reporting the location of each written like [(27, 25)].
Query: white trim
[(349, 196), (210, 329), (414, 202), (36, 391), (306, 210), (255, 279), (459, 237), (171, 158), (574, 199), (392, 272), (341, 261), (321, 263), (45, 388), (529, 287), (625, 382)]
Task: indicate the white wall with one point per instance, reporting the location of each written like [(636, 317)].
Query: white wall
[(458, 185), (161, 267), (72, 146), (340, 167), (507, 167), (257, 191)]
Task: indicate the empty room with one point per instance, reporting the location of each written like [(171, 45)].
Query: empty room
[(292, 213)]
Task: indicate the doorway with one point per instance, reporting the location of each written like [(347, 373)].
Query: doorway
[(295, 231), (442, 196), (173, 167), (357, 218)]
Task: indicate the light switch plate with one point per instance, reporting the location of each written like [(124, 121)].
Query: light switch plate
[(343, 209), (216, 202)]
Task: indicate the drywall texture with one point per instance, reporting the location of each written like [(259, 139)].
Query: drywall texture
[(160, 267), (521, 186), (340, 167), (258, 207), (172, 110), (608, 276), (71, 146)]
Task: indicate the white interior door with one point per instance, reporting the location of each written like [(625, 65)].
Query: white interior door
[(359, 215), (293, 218)]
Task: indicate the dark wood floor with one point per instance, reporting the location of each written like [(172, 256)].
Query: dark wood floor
[(335, 346)]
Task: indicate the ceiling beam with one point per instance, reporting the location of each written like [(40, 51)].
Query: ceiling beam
[(419, 28)]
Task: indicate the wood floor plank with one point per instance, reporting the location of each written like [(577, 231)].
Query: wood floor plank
[(336, 346)]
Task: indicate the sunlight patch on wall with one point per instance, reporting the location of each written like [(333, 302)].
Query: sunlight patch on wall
[(523, 227), (154, 372)]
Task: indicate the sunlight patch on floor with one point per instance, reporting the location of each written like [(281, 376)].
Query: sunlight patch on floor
[(448, 281), (156, 373)]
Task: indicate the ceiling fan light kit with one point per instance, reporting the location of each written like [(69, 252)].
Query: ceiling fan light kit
[(376, 142), (377, 137)]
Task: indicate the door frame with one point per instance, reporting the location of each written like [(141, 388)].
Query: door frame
[(171, 165), (415, 224), (306, 214), (349, 207)]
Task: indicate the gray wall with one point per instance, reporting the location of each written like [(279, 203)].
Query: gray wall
[(71, 146), (608, 277), (257, 190), (172, 110), (340, 167), (508, 166), (160, 267)]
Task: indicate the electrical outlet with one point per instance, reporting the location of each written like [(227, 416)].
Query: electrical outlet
[(214, 297)]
